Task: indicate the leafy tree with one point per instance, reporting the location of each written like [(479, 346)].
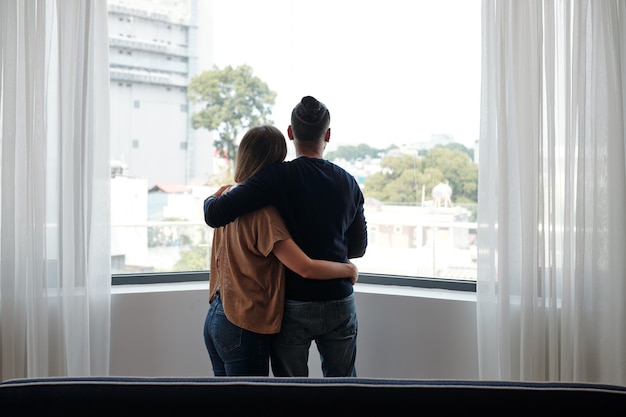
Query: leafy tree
[(232, 100), (354, 153), (195, 259), (404, 176), (457, 169), (460, 147), (400, 180)]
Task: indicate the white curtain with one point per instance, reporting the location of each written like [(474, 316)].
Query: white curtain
[(55, 230), (552, 189)]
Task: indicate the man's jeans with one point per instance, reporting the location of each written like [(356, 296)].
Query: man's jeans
[(331, 324), (233, 350)]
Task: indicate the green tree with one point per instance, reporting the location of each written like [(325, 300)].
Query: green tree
[(401, 180), (458, 171), (460, 147), (194, 259), (231, 101), (354, 153), (404, 177)]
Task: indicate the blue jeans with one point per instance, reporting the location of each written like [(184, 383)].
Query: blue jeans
[(332, 325), (234, 351)]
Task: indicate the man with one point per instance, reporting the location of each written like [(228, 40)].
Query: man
[(322, 206)]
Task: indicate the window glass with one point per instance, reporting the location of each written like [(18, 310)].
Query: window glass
[(401, 79)]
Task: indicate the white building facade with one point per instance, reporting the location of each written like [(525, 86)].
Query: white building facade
[(153, 56)]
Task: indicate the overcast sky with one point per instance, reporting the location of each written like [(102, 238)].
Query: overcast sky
[(391, 71)]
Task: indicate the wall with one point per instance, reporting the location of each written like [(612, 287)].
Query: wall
[(156, 330)]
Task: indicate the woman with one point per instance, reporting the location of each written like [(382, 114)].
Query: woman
[(246, 289)]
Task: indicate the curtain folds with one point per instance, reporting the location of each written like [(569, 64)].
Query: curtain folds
[(54, 212), (551, 285)]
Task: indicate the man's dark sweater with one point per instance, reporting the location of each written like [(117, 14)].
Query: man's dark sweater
[(322, 206)]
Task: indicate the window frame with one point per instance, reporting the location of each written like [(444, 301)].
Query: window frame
[(364, 278), (173, 277)]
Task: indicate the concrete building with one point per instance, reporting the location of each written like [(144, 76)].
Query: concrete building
[(153, 55)]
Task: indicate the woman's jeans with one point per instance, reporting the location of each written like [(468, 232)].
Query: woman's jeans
[(233, 350), (331, 324)]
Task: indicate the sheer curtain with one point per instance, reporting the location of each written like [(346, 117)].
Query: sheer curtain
[(552, 223), (55, 230)]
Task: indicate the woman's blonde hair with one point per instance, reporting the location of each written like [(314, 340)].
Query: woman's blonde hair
[(260, 146)]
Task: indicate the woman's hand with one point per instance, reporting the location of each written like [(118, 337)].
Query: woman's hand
[(355, 273), (221, 190)]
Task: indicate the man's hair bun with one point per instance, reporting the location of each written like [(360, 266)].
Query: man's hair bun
[(310, 110)]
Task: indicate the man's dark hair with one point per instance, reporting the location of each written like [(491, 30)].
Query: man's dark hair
[(310, 119)]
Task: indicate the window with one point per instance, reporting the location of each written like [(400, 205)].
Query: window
[(402, 82)]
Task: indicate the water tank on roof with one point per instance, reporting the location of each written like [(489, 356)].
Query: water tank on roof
[(442, 194)]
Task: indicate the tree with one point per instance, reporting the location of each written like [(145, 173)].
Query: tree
[(460, 147), (194, 259), (401, 180), (404, 176), (458, 170), (231, 100), (354, 153)]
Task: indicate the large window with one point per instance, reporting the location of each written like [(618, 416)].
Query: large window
[(401, 79)]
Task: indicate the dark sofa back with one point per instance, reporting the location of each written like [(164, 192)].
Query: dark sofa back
[(302, 396)]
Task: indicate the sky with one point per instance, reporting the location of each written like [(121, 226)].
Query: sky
[(390, 72)]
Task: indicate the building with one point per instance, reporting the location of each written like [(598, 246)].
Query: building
[(153, 55)]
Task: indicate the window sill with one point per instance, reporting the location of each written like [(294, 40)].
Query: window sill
[(405, 291)]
